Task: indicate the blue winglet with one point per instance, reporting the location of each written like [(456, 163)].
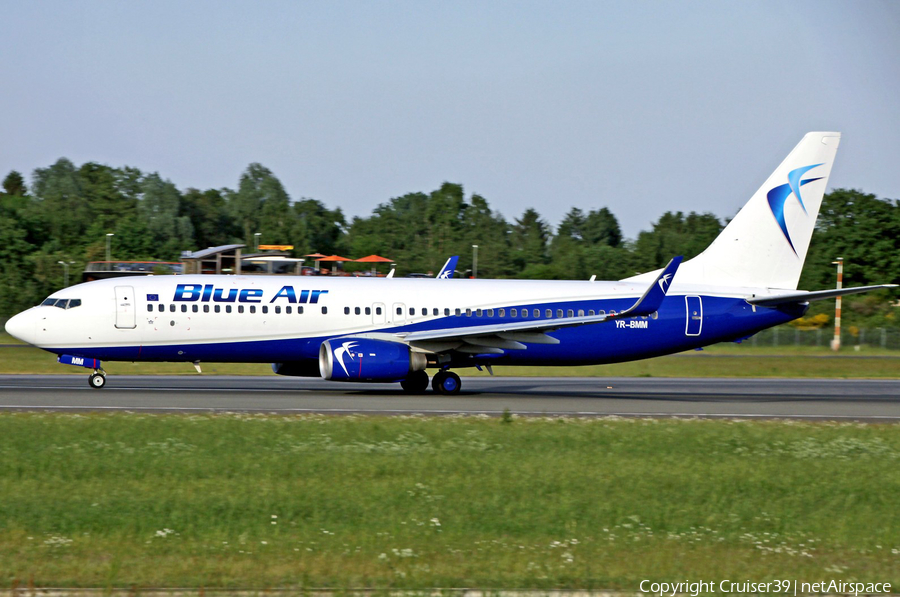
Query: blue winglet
[(449, 268), (654, 295)]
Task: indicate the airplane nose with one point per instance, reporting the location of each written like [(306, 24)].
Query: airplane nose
[(21, 326)]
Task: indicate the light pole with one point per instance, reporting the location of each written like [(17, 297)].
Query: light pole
[(65, 273), (256, 235), (108, 258), (836, 342), (474, 261)]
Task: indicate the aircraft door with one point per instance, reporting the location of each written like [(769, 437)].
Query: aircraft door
[(378, 313), (694, 313), (398, 313), (125, 316)]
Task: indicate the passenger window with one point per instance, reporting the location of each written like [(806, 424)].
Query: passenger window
[(549, 312), (502, 312), (513, 312), (412, 310), (324, 310), (612, 312), (368, 310), (446, 311), (559, 313), (580, 312), (194, 308), (171, 308), (356, 310), (478, 312), (601, 312), (570, 313), (654, 315), (160, 307), (149, 308), (265, 308), (458, 312), (206, 308), (399, 310), (228, 308), (277, 308), (377, 310), (591, 312), (435, 311), (490, 312), (346, 310), (468, 312), (536, 313), (299, 310), (218, 308), (253, 308), (287, 310), (240, 308), (184, 308)]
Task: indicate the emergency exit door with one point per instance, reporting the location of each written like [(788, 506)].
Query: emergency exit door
[(694, 308), (125, 318)]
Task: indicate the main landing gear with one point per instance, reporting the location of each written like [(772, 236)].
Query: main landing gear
[(416, 383), (97, 379), (446, 382), (443, 382)]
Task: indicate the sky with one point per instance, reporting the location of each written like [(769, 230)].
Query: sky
[(642, 107)]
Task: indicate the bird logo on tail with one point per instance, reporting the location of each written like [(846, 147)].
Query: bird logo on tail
[(780, 194)]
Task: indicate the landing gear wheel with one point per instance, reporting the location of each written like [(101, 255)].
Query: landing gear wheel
[(97, 380), (416, 383), (446, 382)]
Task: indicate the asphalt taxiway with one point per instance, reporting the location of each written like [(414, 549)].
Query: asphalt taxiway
[(875, 400)]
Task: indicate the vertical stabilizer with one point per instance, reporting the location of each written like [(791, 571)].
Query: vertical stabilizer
[(764, 246)]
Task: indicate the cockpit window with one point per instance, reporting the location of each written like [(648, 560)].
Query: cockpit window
[(61, 303)]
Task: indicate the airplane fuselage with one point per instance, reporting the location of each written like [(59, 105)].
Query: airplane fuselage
[(282, 319)]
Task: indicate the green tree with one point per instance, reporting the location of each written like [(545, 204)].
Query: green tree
[(262, 205), (675, 234), (529, 239), (159, 209), (210, 218), (14, 185)]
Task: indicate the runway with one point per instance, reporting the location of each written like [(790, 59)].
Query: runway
[(872, 400)]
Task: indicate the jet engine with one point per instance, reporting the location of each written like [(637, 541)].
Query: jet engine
[(364, 359)]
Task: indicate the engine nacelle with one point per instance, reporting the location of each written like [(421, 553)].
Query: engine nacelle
[(363, 359)]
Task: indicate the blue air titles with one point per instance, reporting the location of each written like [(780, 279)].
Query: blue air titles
[(205, 293)]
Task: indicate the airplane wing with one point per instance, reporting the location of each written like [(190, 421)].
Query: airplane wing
[(805, 297), (495, 338), (449, 269)]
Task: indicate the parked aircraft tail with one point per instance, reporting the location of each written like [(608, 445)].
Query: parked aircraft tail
[(765, 245)]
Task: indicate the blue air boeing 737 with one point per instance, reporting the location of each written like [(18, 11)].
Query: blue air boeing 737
[(394, 330)]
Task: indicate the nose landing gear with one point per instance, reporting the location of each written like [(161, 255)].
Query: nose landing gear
[(97, 379)]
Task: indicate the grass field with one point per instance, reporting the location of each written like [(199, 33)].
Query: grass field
[(723, 360), (265, 501)]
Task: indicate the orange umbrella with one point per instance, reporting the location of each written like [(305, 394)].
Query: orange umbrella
[(374, 259), (335, 258), (316, 256)]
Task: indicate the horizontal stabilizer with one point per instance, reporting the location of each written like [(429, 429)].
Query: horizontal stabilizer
[(805, 297)]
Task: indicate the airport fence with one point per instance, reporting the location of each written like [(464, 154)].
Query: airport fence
[(786, 335)]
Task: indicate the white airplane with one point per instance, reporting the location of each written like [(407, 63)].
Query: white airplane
[(393, 330)]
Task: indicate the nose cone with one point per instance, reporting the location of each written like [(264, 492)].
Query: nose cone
[(21, 326)]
